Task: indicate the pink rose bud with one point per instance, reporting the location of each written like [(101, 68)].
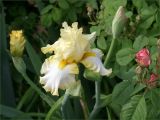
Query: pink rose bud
[(143, 57), (153, 77)]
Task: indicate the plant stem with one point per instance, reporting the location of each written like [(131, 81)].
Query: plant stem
[(96, 108), (110, 52), (66, 96)]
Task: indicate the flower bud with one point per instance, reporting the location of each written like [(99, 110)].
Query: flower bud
[(153, 77), (17, 42), (143, 58), (118, 22), (153, 80), (138, 70)]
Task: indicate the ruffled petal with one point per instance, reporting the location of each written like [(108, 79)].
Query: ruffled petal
[(91, 37), (94, 63), (47, 49), (55, 77)]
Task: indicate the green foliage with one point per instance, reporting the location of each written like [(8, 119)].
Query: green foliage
[(121, 90), (140, 42), (64, 10), (125, 56), (135, 109), (35, 59), (126, 95)]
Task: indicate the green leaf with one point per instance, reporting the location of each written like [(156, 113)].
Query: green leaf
[(63, 4), (146, 23), (135, 109), (158, 18), (46, 9), (124, 72), (152, 41), (153, 108), (122, 91), (56, 14), (138, 88), (35, 59), (19, 64), (96, 29), (46, 19), (26, 98), (52, 1), (72, 16), (126, 43), (155, 97), (147, 12), (10, 112), (139, 4), (101, 43), (54, 107), (125, 56), (75, 89), (105, 100), (6, 88), (140, 42)]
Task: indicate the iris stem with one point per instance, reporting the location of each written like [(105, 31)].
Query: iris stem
[(96, 108)]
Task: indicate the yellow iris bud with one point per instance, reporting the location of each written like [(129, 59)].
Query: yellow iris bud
[(17, 42)]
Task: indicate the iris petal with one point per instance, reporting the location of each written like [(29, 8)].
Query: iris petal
[(55, 77), (94, 63)]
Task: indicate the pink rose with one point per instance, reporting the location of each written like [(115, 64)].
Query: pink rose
[(152, 81), (153, 77), (143, 57)]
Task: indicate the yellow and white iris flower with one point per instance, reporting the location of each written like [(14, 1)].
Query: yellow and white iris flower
[(71, 48)]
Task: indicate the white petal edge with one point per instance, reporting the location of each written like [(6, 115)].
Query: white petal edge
[(55, 77), (94, 63), (91, 37)]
